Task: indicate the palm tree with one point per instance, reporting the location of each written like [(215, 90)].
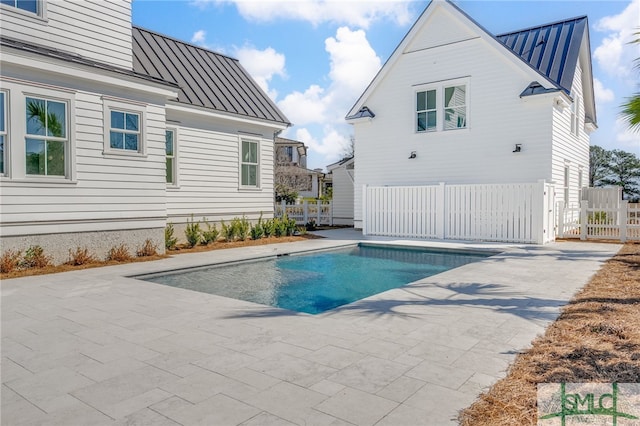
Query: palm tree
[(631, 109)]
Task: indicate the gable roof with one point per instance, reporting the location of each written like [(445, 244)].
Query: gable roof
[(555, 61), (552, 49), (205, 78)]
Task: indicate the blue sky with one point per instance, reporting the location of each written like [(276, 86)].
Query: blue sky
[(315, 57)]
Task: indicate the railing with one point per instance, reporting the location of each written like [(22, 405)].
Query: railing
[(320, 212), (617, 221), (498, 212)]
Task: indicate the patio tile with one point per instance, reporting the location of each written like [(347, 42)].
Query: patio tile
[(448, 376), (401, 388), (442, 403), (369, 374), (266, 419), (134, 403), (12, 371), (405, 415), (291, 369), (334, 357), (286, 400), (382, 348), (145, 417), (357, 407), (98, 371), (253, 378), (226, 361), (205, 384), (327, 387), (431, 350), (217, 410)]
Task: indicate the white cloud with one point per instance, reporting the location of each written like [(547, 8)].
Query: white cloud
[(627, 139), (603, 95), (360, 13), (199, 37), (615, 55), (353, 64), (262, 65)]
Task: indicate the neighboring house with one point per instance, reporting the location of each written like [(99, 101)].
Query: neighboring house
[(109, 131), (291, 171), (341, 175), (458, 105)]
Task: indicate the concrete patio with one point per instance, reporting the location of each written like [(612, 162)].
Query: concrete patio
[(94, 347)]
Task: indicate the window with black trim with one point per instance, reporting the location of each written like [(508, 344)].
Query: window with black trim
[(170, 151)]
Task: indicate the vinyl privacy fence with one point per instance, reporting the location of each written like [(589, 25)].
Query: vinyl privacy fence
[(501, 212)]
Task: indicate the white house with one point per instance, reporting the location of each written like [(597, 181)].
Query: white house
[(341, 174), (458, 105), (291, 168), (109, 131)]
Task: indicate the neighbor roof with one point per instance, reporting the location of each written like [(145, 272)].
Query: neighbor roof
[(552, 49), (206, 79)]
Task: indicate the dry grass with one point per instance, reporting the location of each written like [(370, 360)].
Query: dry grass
[(595, 339), (50, 269), (119, 254)]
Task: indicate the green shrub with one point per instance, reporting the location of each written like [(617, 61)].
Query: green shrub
[(209, 235), (228, 231), (169, 240), (290, 225), (257, 230), (599, 218), (269, 228), (10, 261), (34, 257), (301, 230), (311, 225), (192, 232), (241, 227), (81, 256), (280, 227)]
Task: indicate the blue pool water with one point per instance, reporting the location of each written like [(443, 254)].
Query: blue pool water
[(319, 281)]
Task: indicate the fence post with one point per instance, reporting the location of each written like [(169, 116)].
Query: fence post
[(623, 218), (318, 210), (583, 220), (283, 208), (330, 212), (364, 211), (305, 212), (561, 219), (441, 208)]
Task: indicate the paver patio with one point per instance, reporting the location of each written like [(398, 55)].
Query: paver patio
[(95, 347)]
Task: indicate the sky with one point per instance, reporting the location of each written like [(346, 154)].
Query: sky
[(314, 58)]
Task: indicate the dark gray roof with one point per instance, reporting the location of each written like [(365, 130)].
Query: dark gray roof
[(535, 88), (363, 112), (552, 49), (205, 78), (77, 59)]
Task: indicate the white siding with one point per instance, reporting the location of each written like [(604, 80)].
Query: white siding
[(343, 195), (497, 120), (104, 192), (99, 30), (570, 150), (209, 171)]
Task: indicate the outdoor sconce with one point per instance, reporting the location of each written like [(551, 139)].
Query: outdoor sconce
[(412, 155), (518, 148)]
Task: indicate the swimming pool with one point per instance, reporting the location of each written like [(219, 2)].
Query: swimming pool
[(319, 281)]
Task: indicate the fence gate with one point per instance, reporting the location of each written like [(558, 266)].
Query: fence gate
[(499, 212)]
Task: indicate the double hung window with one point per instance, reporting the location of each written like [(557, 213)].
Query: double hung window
[(3, 131), (170, 151), (46, 139), (441, 107), (249, 164)]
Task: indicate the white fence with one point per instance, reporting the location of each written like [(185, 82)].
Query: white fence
[(619, 220), (501, 212), (320, 212)]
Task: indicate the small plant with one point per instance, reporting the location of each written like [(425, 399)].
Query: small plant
[(242, 228), (192, 232), (170, 240), (290, 225), (599, 218), (34, 257), (148, 249), (257, 230), (81, 256), (311, 225), (119, 254), (10, 261), (301, 230), (280, 228), (269, 228), (209, 235), (228, 231)]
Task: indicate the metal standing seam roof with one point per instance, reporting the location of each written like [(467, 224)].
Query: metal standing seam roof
[(552, 49), (205, 78)]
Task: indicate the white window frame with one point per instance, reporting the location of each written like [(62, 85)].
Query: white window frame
[(440, 87), (5, 134), (426, 111), (242, 162), (575, 116), (174, 130), (40, 15), (118, 105)]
